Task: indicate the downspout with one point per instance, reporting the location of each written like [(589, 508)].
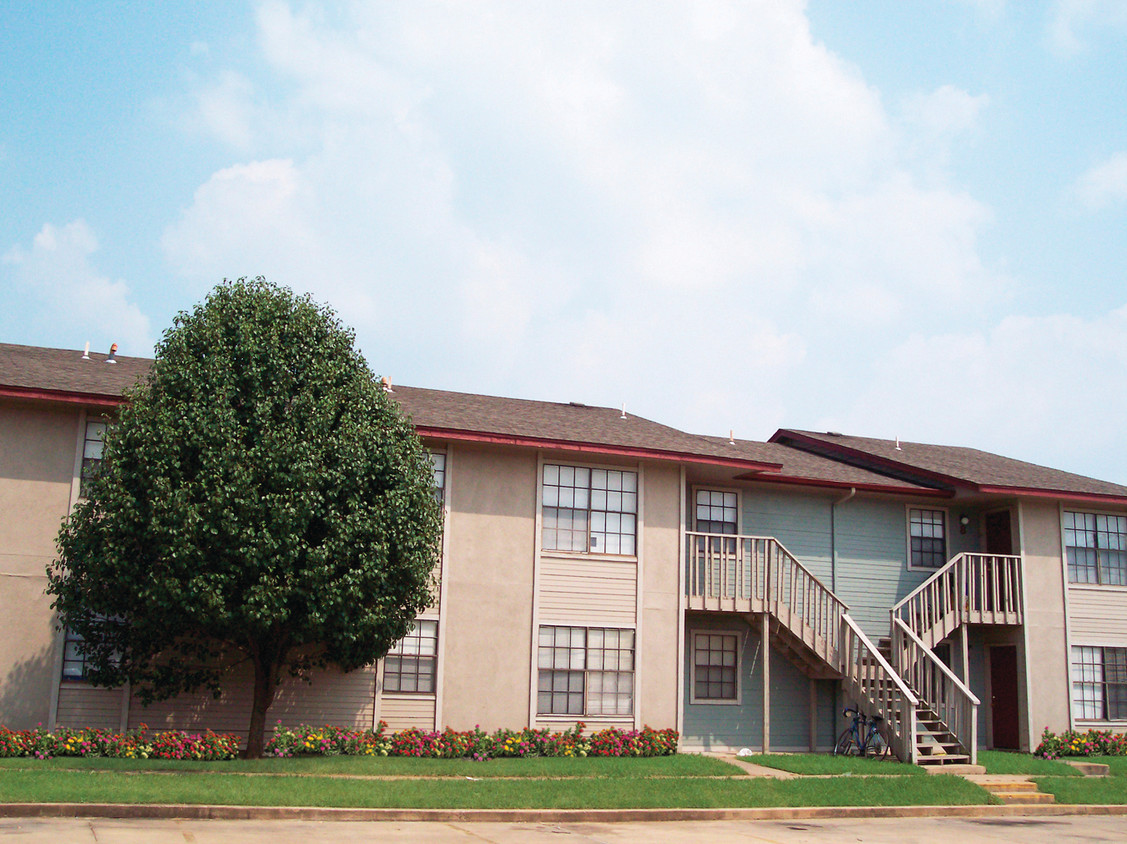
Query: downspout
[(833, 536)]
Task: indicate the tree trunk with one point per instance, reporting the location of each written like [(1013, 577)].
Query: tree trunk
[(264, 688)]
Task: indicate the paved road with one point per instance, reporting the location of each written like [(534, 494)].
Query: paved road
[(1048, 830)]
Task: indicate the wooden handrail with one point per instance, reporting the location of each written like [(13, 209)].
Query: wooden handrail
[(876, 686)]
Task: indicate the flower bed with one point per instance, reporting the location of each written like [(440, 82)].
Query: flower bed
[(340, 741), (469, 744), (131, 744), (1073, 743)]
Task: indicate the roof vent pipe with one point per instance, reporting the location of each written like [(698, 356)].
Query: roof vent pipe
[(385, 382), (86, 351), (731, 436), (113, 351), (623, 416), (898, 448)]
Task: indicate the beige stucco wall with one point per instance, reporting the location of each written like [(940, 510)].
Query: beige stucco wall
[(657, 653), (489, 580), (1046, 657), (37, 451)]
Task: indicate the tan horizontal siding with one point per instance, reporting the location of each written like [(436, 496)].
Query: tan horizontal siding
[(81, 705), (591, 724), (594, 592), (1098, 615), (344, 700), (403, 711)]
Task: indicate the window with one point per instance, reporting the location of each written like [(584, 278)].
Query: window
[(409, 667), (438, 463), (1099, 683), (927, 538), (74, 660), (585, 671), (1096, 547), (91, 454), (589, 510), (716, 511), (715, 667)]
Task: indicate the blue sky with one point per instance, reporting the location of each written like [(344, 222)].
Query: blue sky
[(884, 218)]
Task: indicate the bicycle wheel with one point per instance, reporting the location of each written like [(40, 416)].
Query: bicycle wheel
[(877, 746), (846, 744)]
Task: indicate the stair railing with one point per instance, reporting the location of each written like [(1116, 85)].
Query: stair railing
[(874, 684), (936, 686), (970, 588), (758, 574)]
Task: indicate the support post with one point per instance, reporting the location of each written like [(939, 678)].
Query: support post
[(964, 637), (813, 715), (765, 639)]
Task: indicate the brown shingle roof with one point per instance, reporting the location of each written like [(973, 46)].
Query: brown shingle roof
[(439, 412), (948, 465), (32, 369), (802, 466)]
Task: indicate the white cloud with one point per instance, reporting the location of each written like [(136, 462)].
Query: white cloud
[(1104, 184), (1044, 386), (56, 279), (1073, 22), (582, 201)]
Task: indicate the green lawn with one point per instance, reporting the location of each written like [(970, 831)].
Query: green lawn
[(823, 764), (1080, 789), (681, 765), (1004, 762), (48, 785)]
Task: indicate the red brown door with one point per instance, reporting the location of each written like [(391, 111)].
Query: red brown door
[(999, 540), (1003, 696)]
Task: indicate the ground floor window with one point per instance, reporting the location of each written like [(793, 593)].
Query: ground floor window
[(585, 671), (410, 666), (1099, 683), (74, 660), (715, 667)]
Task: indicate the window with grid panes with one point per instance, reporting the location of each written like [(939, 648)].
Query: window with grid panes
[(927, 531), (74, 660), (91, 454), (1095, 545), (409, 667), (716, 511), (438, 464), (715, 666), (1099, 683), (589, 510), (585, 671)]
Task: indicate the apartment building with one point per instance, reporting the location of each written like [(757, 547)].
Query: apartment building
[(605, 568)]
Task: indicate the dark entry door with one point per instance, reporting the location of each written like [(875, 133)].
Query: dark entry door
[(999, 540), (1003, 696)]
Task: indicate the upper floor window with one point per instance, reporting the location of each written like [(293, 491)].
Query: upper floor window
[(589, 510), (74, 660), (1099, 683), (1095, 545), (927, 538), (410, 666), (438, 464), (91, 454), (716, 511)]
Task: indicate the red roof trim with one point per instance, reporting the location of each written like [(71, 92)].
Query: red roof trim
[(597, 448), (861, 487), (1034, 492), (96, 399), (836, 448)]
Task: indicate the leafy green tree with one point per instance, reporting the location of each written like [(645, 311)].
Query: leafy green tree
[(260, 499)]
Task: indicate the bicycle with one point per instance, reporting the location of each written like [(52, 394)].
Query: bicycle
[(863, 737)]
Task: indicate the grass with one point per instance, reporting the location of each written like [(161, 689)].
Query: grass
[(1004, 762), (117, 786), (681, 765), (1111, 789), (821, 764)]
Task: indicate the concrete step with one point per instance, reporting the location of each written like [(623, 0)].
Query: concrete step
[(957, 768), (1013, 790), (1089, 769)]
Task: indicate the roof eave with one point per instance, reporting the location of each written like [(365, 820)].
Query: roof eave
[(860, 487), (1056, 494), (63, 396), (595, 448)]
